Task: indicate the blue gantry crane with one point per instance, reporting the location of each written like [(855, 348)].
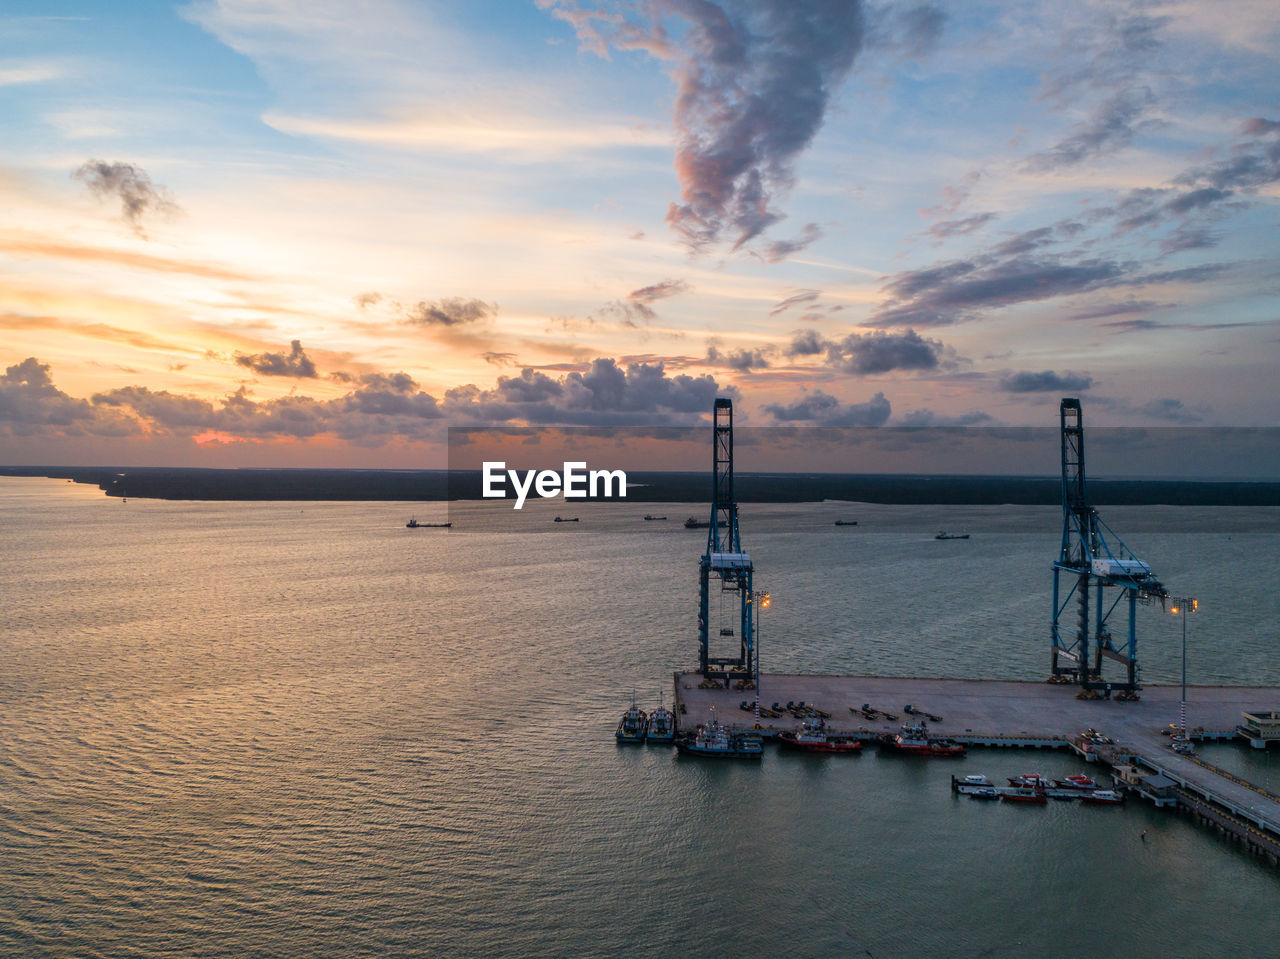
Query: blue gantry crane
[(1100, 573), (725, 563)]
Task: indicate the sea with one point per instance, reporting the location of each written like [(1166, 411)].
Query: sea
[(302, 729)]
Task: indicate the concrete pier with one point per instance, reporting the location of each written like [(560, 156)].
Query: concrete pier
[(1003, 713)]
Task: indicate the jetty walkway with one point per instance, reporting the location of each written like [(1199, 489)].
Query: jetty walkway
[(1000, 713)]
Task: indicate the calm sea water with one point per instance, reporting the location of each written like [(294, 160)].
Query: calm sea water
[(281, 729)]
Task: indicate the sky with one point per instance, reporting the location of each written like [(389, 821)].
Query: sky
[(288, 233)]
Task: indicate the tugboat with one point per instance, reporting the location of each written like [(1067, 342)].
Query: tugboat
[(662, 725), (694, 523), (716, 739), (814, 737), (914, 740), (633, 725)]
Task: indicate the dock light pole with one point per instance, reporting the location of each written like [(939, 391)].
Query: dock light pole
[(1181, 606), (764, 600)]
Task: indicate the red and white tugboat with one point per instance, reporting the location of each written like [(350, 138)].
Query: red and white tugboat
[(814, 737), (1024, 794), (914, 740)]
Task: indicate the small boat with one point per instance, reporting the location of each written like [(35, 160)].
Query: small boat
[(414, 524), (1077, 781), (846, 522), (814, 737), (1034, 780), (662, 725), (1103, 797), (972, 785), (633, 725), (914, 740), (716, 739), (695, 523), (654, 519), (564, 519), (982, 792), (1024, 794), (943, 534)]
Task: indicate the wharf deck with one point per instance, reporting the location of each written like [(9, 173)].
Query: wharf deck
[(999, 712)]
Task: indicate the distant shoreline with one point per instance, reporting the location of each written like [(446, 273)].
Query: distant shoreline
[(647, 487)]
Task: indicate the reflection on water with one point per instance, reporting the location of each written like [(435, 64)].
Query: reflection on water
[(301, 729)]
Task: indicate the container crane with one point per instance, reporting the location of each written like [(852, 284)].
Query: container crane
[(1093, 560), (725, 561)]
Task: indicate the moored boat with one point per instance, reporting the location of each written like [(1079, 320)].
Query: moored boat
[(1024, 794), (914, 740), (1076, 781), (814, 736), (1107, 797), (633, 726), (715, 739), (662, 725), (1034, 780)]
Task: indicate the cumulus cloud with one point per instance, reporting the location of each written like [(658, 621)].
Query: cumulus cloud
[(1045, 381), (823, 409), (138, 197), (865, 354), (742, 360), (451, 311), (295, 363)]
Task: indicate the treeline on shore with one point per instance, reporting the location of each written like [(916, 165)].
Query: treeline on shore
[(647, 487)]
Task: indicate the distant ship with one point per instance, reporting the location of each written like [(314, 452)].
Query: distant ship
[(694, 523), (414, 524), (654, 519), (943, 534), (562, 519), (846, 522)]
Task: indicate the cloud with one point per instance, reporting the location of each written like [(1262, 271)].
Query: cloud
[(366, 300), (1127, 308), (1045, 382), (918, 418), (823, 409), (779, 250), (961, 290), (635, 308), (865, 354), (753, 81), (795, 299), (295, 363), (33, 246), (961, 227), (1112, 126), (743, 360), (131, 185), (605, 394), (451, 311), (1171, 410)]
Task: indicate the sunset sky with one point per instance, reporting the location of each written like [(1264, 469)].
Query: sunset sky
[(319, 232)]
